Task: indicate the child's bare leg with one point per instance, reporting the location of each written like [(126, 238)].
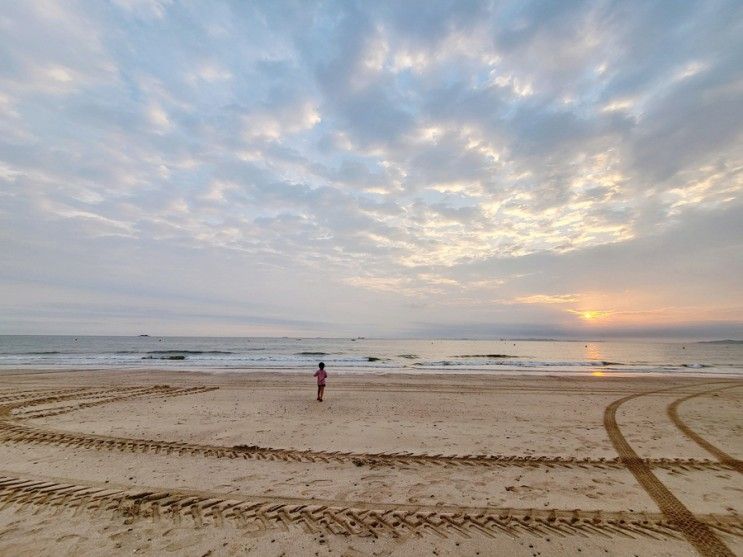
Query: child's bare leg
[(319, 392), (322, 390)]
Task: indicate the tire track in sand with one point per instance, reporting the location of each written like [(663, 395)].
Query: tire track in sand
[(21, 433), (697, 532), (8, 407), (13, 431), (13, 396), (156, 391), (719, 454), (343, 517)]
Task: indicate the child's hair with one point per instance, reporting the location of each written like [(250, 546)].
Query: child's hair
[(322, 365)]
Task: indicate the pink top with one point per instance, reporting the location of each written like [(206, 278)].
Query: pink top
[(321, 374)]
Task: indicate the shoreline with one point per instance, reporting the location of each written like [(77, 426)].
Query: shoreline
[(696, 373)]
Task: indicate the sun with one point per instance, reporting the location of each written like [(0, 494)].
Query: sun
[(590, 314)]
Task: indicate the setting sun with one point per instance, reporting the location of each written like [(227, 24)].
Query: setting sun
[(590, 315)]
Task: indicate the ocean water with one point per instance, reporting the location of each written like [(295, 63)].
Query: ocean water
[(370, 355)]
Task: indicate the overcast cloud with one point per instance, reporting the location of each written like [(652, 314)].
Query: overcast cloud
[(376, 168)]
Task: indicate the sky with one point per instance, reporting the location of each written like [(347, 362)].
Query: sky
[(392, 169)]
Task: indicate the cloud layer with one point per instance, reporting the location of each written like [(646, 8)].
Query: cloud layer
[(433, 168)]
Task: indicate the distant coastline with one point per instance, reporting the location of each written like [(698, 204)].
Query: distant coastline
[(724, 341)]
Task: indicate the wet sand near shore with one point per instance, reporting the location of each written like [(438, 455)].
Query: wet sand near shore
[(154, 462)]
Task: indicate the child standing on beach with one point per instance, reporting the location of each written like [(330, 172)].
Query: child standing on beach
[(321, 374)]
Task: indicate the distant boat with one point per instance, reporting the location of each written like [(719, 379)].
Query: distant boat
[(144, 335)]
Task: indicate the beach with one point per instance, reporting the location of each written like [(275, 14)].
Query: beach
[(190, 463)]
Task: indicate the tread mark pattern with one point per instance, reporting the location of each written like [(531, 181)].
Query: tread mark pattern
[(14, 432), (13, 396), (698, 533), (360, 520), (108, 397), (721, 455), (7, 409)]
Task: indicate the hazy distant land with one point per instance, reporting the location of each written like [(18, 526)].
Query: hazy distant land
[(724, 341)]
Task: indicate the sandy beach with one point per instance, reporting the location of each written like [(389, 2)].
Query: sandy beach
[(154, 463)]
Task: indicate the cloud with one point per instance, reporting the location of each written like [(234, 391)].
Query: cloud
[(547, 299), (389, 165), (275, 123), (146, 9)]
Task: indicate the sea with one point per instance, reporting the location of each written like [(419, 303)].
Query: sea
[(371, 355)]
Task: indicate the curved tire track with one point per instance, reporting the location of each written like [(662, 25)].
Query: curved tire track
[(13, 396), (18, 433), (719, 454), (12, 431), (108, 397), (697, 532), (354, 518), (7, 408)]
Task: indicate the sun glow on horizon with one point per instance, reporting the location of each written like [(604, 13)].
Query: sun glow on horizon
[(590, 314)]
